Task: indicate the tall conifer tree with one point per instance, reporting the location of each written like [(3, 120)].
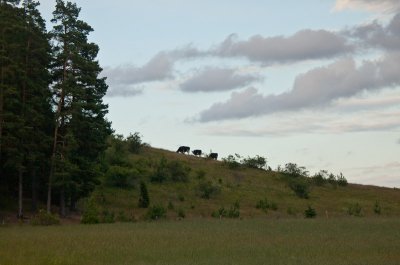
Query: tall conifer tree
[(81, 128)]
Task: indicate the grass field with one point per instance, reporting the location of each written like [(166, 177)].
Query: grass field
[(205, 241)]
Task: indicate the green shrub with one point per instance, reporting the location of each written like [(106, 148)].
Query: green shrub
[(377, 208), (170, 205), (232, 161), (310, 212), (341, 180), (156, 212), (178, 172), (221, 212), (161, 173), (232, 212), (207, 189), (265, 205), (174, 171), (255, 162), (90, 213), (121, 217), (45, 218), (134, 142), (293, 170), (320, 178), (108, 217), (355, 210), (300, 187), (121, 177), (181, 198), (144, 199)]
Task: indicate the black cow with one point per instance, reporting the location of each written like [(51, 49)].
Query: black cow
[(183, 149), (213, 156), (197, 152)]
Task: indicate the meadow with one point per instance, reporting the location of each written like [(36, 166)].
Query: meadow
[(207, 241)]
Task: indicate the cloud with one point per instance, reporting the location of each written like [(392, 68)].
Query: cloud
[(316, 88), (385, 6), (398, 141), (217, 79), (304, 45), (326, 122), (122, 79), (377, 36)]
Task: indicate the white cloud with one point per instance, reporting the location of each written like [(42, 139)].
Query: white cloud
[(385, 6), (316, 88), (217, 79)]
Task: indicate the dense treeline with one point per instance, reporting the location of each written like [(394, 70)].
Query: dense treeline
[(52, 118)]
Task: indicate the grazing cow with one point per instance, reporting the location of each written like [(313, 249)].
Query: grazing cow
[(183, 149), (213, 156), (197, 152)]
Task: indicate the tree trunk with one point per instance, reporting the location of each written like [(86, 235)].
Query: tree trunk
[(20, 193), (62, 202), (34, 191)]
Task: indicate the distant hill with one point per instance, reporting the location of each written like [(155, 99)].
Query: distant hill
[(202, 187)]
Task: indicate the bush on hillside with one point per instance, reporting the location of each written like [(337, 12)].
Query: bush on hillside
[(377, 208), (265, 205), (45, 218), (231, 161), (310, 212), (207, 189), (255, 162), (90, 213), (293, 170), (144, 199), (355, 210), (175, 171), (121, 177), (300, 187), (156, 212)]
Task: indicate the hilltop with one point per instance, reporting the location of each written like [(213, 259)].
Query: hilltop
[(199, 187)]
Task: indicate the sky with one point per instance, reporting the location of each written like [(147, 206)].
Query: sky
[(313, 82)]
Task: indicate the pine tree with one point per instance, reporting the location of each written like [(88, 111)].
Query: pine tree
[(81, 128), (24, 100), (144, 200)]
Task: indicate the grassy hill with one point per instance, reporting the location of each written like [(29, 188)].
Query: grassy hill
[(242, 186)]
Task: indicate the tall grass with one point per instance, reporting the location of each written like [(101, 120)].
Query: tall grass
[(257, 241)]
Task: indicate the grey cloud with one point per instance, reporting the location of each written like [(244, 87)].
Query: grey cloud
[(398, 141), (122, 79), (304, 45), (123, 91), (316, 88), (377, 36), (217, 79)]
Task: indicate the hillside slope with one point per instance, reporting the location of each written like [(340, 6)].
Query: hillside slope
[(243, 187)]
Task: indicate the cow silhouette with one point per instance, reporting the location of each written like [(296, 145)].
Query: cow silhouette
[(213, 156), (197, 152), (183, 149)]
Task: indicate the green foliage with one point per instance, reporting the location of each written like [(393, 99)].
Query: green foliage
[(310, 212), (108, 217), (144, 199), (355, 209), (232, 162), (320, 178), (45, 218), (255, 162), (90, 213), (293, 170), (156, 212), (341, 180), (170, 205), (265, 205), (134, 142), (232, 212), (121, 177), (207, 189), (301, 187), (121, 217), (175, 171), (377, 208)]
